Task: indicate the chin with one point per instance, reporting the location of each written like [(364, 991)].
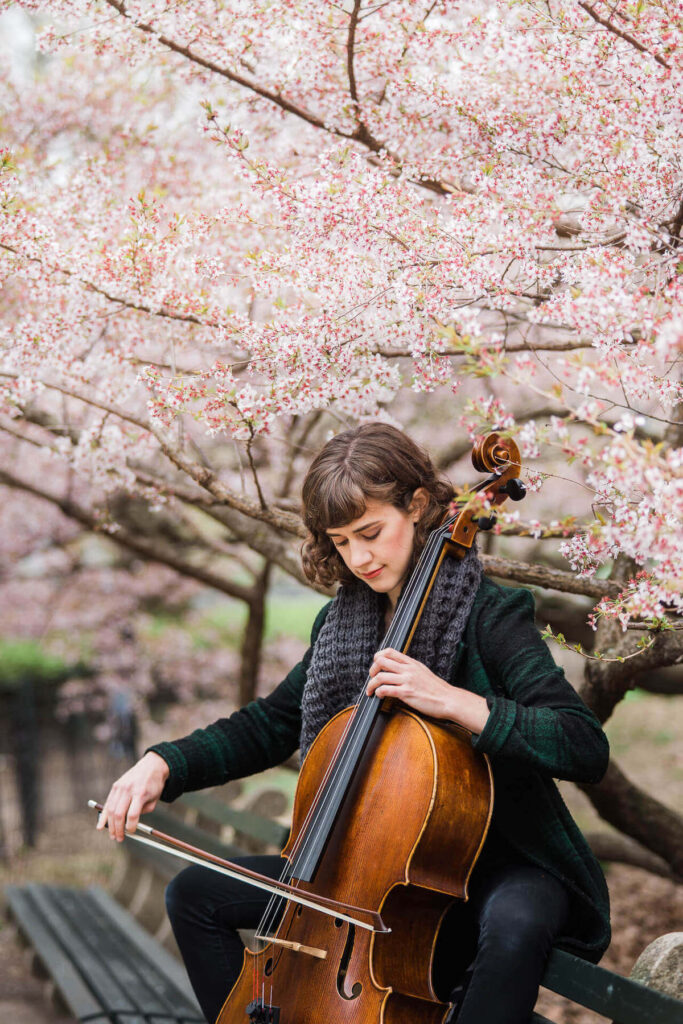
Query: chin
[(381, 587)]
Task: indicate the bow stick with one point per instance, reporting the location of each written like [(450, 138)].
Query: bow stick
[(368, 919)]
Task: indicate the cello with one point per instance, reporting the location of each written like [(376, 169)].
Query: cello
[(351, 931)]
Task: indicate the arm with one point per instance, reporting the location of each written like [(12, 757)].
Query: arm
[(537, 717)]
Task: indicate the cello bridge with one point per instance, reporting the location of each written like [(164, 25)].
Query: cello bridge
[(297, 947)]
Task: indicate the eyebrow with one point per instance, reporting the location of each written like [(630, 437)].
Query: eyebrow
[(365, 526)]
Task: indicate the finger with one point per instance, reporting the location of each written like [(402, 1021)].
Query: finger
[(118, 818), (381, 663), (393, 692), (133, 816), (391, 652), (389, 679), (391, 657), (103, 815)]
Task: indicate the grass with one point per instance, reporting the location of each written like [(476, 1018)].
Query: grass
[(286, 615), (26, 659)]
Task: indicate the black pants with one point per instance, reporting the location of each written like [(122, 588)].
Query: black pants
[(490, 957)]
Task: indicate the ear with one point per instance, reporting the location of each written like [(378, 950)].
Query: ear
[(418, 503)]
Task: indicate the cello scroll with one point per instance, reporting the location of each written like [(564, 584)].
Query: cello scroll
[(501, 458)]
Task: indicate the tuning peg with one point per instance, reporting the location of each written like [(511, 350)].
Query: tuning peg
[(485, 522), (514, 488)]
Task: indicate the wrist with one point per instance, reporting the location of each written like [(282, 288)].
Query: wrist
[(468, 709), (159, 764)]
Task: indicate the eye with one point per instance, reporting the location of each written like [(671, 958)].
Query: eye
[(364, 536)]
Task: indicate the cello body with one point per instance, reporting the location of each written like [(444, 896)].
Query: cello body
[(404, 843)]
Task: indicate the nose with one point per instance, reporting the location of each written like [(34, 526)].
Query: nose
[(359, 555)]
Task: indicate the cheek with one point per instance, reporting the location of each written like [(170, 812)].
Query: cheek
[(400, 540)]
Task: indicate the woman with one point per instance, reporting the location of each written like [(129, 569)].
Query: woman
[(370, 499)]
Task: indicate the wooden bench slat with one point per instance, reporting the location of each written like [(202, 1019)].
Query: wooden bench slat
[(56, 962), (107, 945), (148, 947), (620, 999), (165, 865), (179, 829), (246, 822), (111, 995)]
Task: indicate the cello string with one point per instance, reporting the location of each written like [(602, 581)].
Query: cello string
[(361, 713)]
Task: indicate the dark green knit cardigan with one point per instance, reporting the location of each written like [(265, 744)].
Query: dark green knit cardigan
[(538, 728)]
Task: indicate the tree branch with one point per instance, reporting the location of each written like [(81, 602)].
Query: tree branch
[(232, 76), (514, 346), (623, 850), (550, 579), (350, 54), (259, 538), (629, 809), (605, 683), (606, 23), (677, 225), (360, 135), (202, 475), (138, 307), (147, 549)]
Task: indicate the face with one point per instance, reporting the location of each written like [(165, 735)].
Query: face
[(378, 545)]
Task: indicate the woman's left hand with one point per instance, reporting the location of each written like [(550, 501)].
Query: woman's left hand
[(396, 675)]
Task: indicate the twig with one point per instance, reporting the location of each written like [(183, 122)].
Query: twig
[(622, 35)]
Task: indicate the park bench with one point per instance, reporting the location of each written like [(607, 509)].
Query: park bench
[(75, 932)]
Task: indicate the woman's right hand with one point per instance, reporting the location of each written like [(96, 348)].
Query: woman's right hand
[(135, 793)]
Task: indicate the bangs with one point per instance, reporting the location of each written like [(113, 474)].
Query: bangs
[(342, 497)]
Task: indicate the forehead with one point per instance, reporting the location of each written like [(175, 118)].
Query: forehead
[(374, 510)]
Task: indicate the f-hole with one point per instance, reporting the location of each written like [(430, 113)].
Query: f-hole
[(344, 965)]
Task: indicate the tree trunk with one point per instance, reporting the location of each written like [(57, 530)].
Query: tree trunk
[(252, 639)]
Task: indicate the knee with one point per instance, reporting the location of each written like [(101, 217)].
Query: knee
[(514, 940), (181, 893)]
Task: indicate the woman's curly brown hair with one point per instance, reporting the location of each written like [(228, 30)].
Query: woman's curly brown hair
[(376, 461)]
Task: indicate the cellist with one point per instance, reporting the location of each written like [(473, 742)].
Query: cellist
[(370, 499)]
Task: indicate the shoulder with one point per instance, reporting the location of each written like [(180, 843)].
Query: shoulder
[(319, 620), (493, 601)]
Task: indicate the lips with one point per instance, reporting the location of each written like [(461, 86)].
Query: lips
[(371, 575)]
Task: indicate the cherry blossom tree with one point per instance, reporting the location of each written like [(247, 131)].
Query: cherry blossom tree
[(228, 230)]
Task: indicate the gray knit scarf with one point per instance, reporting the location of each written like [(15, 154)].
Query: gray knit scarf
[(353, 630)]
